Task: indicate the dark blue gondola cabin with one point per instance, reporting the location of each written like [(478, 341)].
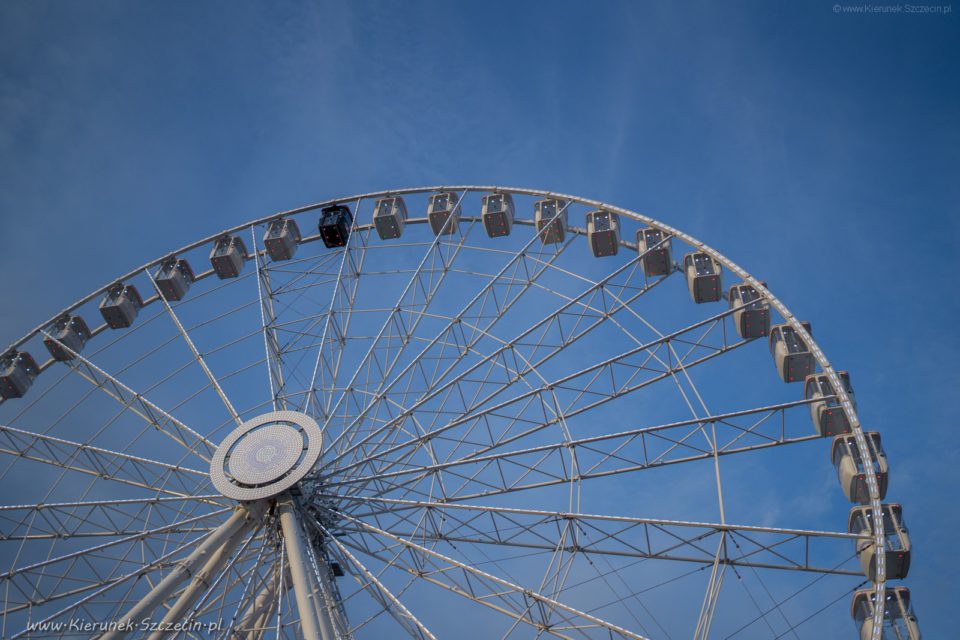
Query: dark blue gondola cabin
[(335, 224)]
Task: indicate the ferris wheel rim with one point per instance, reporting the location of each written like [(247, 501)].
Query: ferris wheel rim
[(789, 318)]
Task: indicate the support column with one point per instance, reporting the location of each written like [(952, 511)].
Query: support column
[(232, 528), (201, 582), (314, 620)]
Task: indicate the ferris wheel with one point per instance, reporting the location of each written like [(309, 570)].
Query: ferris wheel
[(459, 411)]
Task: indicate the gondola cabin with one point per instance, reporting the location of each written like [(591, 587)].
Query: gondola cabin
[(173, 278), (654, 250), (550, 216), (896, 545), (790, 352), (389, 217), (703, 276), (120, 305), (227, 256), (281, 239), (752, 315), (853, 469), (899, 620), (443, 213), (18, 370), (497, 214), (829, 418), (603, 233), (67, 337), (334, 226)]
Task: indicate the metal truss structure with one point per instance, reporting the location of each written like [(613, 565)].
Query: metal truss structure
[(516, 439)]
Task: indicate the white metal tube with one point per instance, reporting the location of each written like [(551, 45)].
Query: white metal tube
[(314, 623), (200, 582), (183, 570)]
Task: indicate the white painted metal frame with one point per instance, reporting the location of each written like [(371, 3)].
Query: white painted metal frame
[(371, 460)]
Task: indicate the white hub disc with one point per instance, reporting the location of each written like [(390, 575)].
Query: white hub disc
[(266, 455)]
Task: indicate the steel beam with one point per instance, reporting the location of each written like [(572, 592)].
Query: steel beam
[(315, 624), (201, 581), (232, 528)]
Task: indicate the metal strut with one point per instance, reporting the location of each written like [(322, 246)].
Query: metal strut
[(204, 558), (315, 619)]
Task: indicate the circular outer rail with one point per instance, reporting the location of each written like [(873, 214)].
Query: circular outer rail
[(821, 359)]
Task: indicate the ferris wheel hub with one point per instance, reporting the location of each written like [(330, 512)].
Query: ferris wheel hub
[(266, 455)]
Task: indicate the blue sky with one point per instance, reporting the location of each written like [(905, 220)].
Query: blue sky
[(817, 149)]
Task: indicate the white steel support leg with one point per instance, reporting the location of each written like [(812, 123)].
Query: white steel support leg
[(314, 621), (201, 582), (234, 527)]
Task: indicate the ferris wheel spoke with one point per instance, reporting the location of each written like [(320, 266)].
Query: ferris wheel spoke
[(478, 315), (615, 453), (566, 325), (400, 324), (139, 405), (101, 589), (268, 321), (525, 605), (102, 463), (581, 391), (91, 518), (50, 580), (303, 276), (612, 535), (631, 362), (193, 349), (336, 320), (712, 595), (384, 597)]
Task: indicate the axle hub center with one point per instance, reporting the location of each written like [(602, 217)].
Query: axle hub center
[(266, 455)]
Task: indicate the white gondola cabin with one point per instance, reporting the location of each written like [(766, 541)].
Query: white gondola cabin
[(227, 256), (68, 335), (752, 317), (497, 214), (334, 226), (852, 469), (828, 416), (703, 276), (443, 213), (120, 305), (654, 247), (173, 278), (790, 353), (896, 545), (550, 216), (18, 370), (281, 239), (603, 232), (389, 217), (899, 620)]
